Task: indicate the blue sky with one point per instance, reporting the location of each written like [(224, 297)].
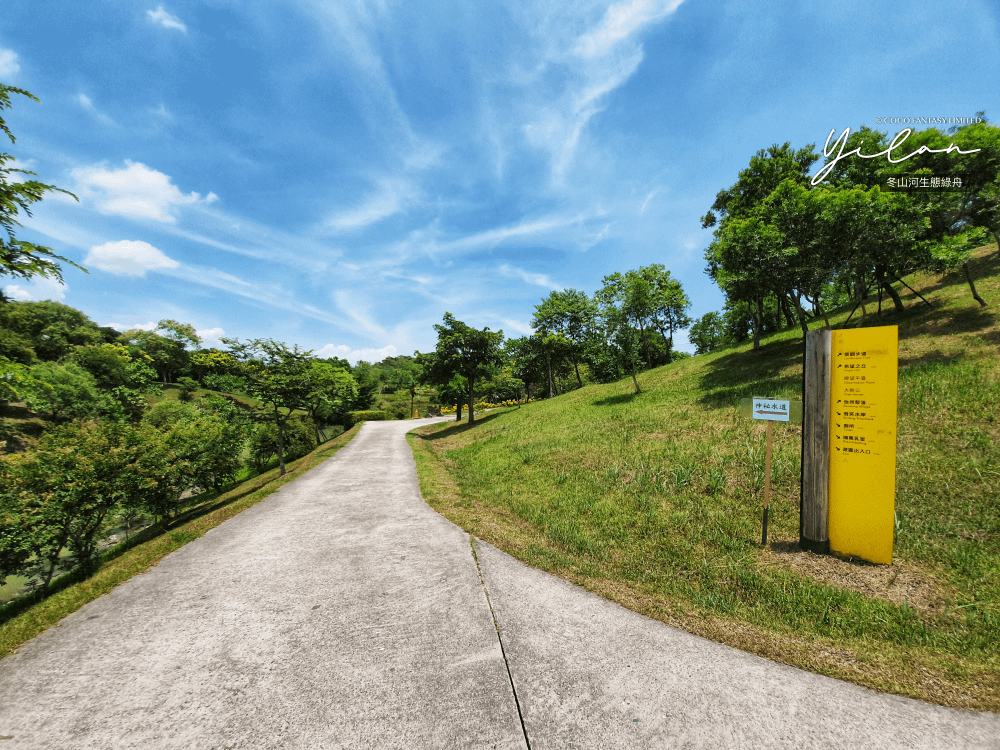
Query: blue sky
[(340, 174)]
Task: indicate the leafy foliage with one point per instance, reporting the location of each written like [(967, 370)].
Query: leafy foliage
[(19, 258)]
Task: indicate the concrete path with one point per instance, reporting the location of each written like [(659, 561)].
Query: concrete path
[(342, 612)]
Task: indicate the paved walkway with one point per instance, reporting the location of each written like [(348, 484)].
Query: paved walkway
[(342, 612)]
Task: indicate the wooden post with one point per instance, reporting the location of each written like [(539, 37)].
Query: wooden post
[(767, 481), (814, 500)]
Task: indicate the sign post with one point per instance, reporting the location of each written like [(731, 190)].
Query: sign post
[(863, 392), (771, 410), (849, 443)]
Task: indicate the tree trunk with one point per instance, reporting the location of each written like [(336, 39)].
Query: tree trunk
[(634, 379), (645, 345), (803, 323), (885, 284), (786, 310), (576, 367), (458, 412), (472, 398), (972, 285), (859, 292), (758, 320), (548, 362)]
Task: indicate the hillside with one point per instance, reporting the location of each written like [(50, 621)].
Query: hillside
[(654, 501)]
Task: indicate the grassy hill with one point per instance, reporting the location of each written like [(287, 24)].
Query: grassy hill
[(654, 501)]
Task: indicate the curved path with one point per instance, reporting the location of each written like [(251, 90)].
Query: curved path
[(342, 612)]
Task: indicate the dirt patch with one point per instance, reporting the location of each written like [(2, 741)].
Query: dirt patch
[(897, 583)]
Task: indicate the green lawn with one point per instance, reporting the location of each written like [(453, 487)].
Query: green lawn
[(654, 501)]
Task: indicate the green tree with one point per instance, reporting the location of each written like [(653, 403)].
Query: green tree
[(72, 391), (462, 350), (278, 377), (166, 346), (573, 315), (332, 393), (707, 333), (52, 328), (113, 366), (670, 304), (62, 491), (19, 258)]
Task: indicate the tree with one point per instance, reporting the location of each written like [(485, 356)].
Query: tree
[(52, 328), (60, 493), (707, 333), (669, 303), (278, 377), (465, 351), (332, 393), (166, 346), (19, 258), (72, 391), (572, 314)]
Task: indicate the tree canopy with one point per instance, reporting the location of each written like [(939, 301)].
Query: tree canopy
[(19, 258)]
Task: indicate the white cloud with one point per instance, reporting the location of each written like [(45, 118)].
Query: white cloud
[(88, 104), (524, 329), (532, 278), (620, 21), (166, 20), (135, 191), (9, 66), (39, 288), (211, 334), (593, 64), (128, 258), (150, 326), (355, 355), (391, 199)]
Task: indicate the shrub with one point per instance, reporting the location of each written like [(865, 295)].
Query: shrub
[(224, 383), (168, 413), (300, 438), (72, 391), (188, 386), (355, 417)]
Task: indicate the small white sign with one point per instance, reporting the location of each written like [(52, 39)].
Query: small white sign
[(771, 409)]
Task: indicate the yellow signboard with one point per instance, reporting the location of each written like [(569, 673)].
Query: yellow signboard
[(863, 391)]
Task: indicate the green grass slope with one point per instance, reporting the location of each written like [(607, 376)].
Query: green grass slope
[(654, 501)]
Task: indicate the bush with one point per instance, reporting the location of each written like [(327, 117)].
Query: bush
[(300, 438), (356, 417), (168, 413), (224, 383), (188, 386), (71, 392)]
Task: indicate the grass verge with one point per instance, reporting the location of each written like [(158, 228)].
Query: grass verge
[(22, 619), (654, 501)]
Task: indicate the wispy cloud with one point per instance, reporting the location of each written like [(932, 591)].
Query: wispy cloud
[(9, 65), (524, 329), (620, 22), (166, 20), (86, 102), (392, 197), (538, 279), (597, 62), (137, 191)]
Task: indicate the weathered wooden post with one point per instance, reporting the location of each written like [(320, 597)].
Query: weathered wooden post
[(814, 500)]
